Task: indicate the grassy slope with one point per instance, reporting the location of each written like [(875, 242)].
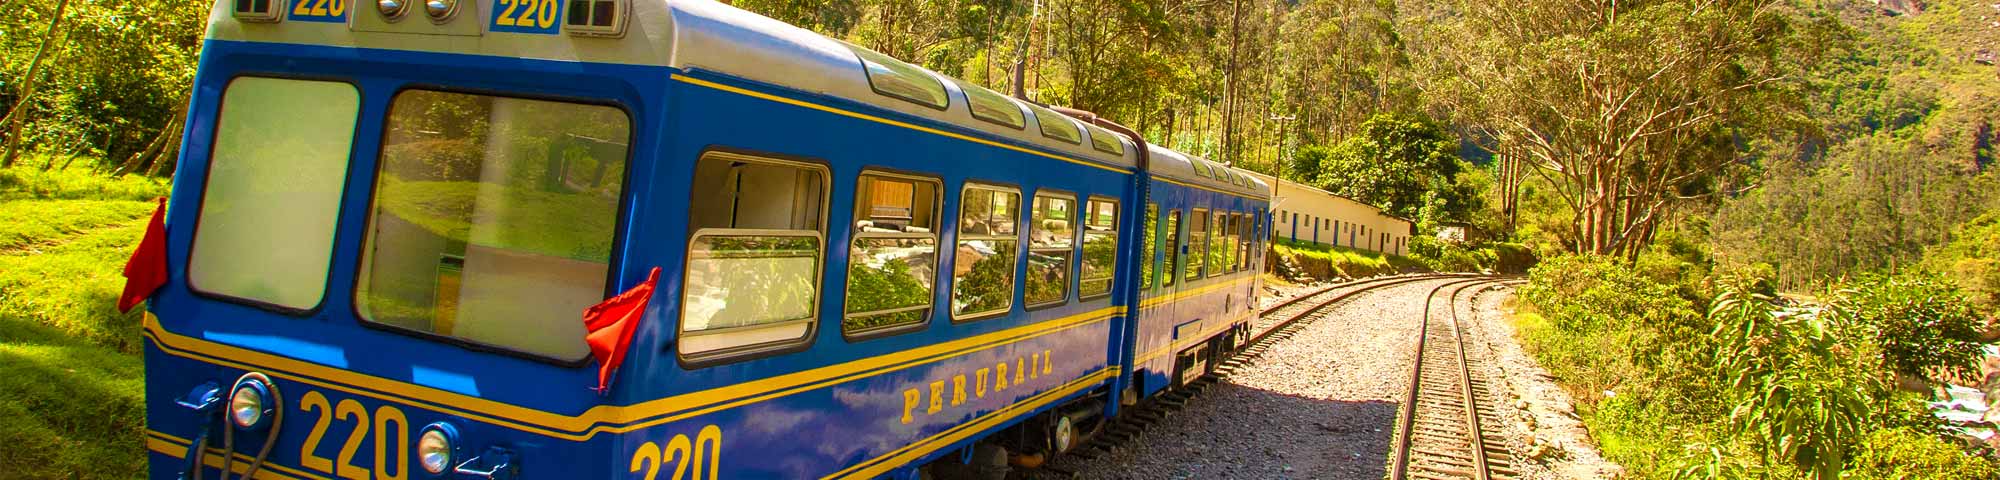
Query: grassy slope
[(71, 397), (1324, 262)]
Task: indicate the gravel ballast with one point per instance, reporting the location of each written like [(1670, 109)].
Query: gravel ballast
[(1321, 404)]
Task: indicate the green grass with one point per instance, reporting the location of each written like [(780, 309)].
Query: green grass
[(1324, 262), (71, 380), (77, 183)]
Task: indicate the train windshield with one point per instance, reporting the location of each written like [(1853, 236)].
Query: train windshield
[(269, 242), (493, 219)]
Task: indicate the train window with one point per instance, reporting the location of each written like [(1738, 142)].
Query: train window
[(1200, 169), (892, 77), (1218, 245), (1244, 235), (596, 18), (1232, 230), (1051, 248), (753, 264), (493, 219), (1056, 125), (982, 277), (1105, 141), (1175, 249), (993, 107), (1100, 247), (1146, 261), (268, 210), (893, 262), (1197, 243)]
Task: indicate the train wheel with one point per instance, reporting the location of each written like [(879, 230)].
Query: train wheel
[(1062, 436)]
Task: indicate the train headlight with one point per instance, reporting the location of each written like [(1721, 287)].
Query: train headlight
[(250, 403), (392, 10), (440, 11), (435, 448)]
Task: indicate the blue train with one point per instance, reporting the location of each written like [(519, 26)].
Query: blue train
[(390, 217)]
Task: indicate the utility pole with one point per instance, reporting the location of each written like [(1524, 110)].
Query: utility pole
[(1284, 154)]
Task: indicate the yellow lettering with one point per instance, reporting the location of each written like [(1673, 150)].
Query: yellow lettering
[(937, 397), (958, 390), (314, 401), (1045, 361), (910, 398), (979, 385), (1000, 381), (1020, 370)]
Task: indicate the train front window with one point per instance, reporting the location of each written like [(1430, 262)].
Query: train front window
[(1051, 248), (267, 211), (893, 262), (1100, 247), (982, 273), (754, 261), (493, 219)]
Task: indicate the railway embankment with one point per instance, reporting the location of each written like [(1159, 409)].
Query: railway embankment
[(1683, 371)]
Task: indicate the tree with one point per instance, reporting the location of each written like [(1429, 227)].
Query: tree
[(1629, 109), (1405, 165)]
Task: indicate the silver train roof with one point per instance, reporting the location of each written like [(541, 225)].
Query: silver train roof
[(706, 36)]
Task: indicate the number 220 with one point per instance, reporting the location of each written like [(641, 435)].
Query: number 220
[(688, 457), (528, 13)]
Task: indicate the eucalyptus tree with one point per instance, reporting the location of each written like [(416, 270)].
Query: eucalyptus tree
[(1628, 108)]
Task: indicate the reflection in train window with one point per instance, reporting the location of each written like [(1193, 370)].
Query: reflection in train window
[(1197, 252), (893, 262), (1051, 248), (754, 261), (1100, 247), (993, 107), (982, 276), (1146, 260), (1218, 245), (892, 77), (1176, 252), (492, 220)]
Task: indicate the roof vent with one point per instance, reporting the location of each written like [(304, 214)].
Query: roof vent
[(597, 18)]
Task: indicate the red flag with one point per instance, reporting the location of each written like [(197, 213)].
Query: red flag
[(146, 271), (611, 324)]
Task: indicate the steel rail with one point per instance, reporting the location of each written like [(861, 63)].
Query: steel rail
[(1406, 424)]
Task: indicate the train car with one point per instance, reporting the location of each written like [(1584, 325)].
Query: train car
[(389, 219)]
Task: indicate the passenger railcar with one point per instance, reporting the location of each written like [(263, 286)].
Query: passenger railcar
[(390, 216)]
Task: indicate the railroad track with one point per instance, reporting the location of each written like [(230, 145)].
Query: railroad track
[(1284, 319), (1440, 434)]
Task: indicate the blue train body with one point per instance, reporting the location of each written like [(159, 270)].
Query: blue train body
[(350, 396)]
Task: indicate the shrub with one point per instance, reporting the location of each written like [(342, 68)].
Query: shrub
[(1906, 453), (1918, 322)]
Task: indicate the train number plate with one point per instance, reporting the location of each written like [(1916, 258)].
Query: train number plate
[(329, 11), (527, 16)]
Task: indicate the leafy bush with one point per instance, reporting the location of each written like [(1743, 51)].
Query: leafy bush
[(1906, 453), (1512, 258), (1796, 393), (1298, 261), (1450, 257), (1973, 259), (1918, 322), (1754, 388)]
